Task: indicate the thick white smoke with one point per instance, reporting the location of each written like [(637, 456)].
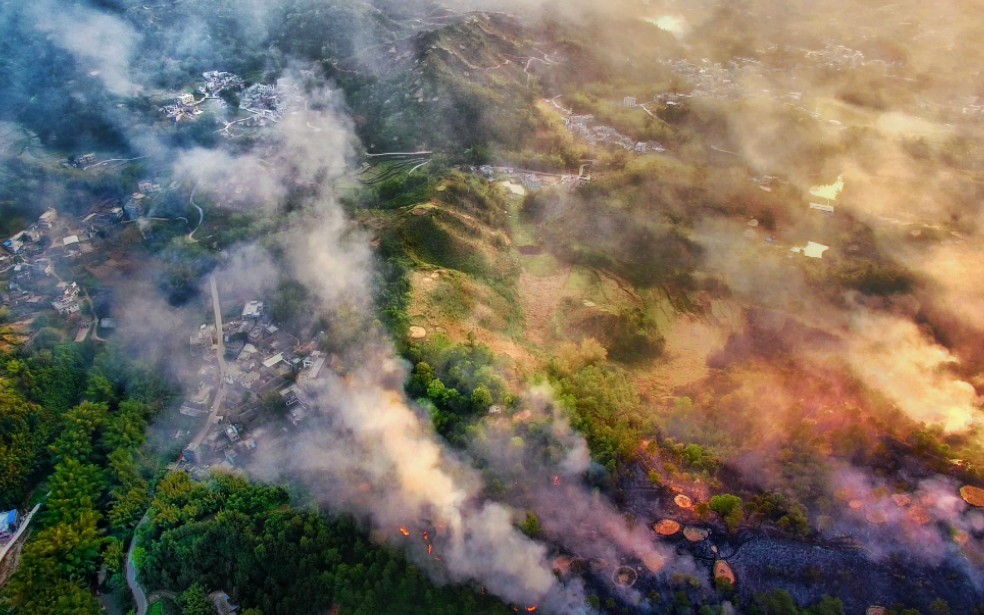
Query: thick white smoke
[(101, 43)]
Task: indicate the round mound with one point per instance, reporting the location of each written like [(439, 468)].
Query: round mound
[(418, 333), (722, 570), (695, 534), (875, 610), (972, 495), (683, 501), (625, 576), (666, 527)]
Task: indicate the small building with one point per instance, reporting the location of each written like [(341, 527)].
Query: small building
[(109, 324), (186, 99), (629, 101), (71, 240), (220, 600), (133, 209), (9, 521), (47, 219), (253, 309), (811, 250), (232, 433), (67, 306), (15, 245), (822, 207), (192, 410), (274, 360)]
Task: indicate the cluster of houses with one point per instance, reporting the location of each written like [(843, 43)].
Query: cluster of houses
[(587, 128), (837, 57), (28, 258), (262, 363), (265, 102), (713, 80), (217, 81), (137, 204), (83, 161), (963, 108), (184, 107)]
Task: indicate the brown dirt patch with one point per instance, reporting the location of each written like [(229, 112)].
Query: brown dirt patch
[(690, 342), (695, 534), (541, 296)]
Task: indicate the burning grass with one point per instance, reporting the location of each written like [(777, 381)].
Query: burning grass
[(667, 527), (683, 502)]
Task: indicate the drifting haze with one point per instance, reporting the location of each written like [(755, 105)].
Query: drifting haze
[(910, 202)]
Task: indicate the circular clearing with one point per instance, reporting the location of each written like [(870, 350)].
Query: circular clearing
[(972, 495), (666, 527), (695, 534), (625, 576), (418, 333), (683, 501), (875, 610)]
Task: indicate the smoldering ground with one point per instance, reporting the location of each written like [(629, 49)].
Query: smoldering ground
[(371, 453)]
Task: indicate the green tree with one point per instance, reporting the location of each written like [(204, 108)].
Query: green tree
[(729, 508), (194, 601), (531, 526)]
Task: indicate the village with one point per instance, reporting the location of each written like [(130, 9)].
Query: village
[(262, 103), (251, 373), (32, 258)]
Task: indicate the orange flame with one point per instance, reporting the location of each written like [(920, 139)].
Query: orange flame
[(426, 537), (404, 531), (556, 483), (430, 549), (531, 609)]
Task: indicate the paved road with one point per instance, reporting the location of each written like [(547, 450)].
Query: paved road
[(139, 597), (220, 355), (201, 213)]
